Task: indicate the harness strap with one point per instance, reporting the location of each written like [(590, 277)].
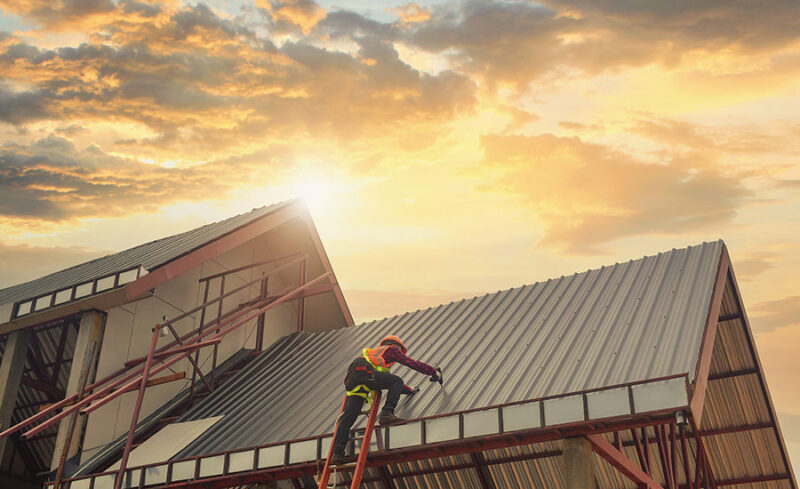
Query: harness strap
[(362, 390)]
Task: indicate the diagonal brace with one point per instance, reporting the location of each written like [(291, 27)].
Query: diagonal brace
[(191, 360), (621, 462)]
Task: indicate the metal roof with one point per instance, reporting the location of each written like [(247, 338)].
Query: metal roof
[(629, 322), (149, 255)]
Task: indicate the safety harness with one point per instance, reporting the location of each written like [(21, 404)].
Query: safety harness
[(374, 357)]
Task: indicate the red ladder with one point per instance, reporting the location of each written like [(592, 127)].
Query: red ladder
[(362, 455)]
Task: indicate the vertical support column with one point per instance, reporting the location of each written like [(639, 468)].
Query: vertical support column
[(578, 464), (84, 360), (301, 301), (262, 318), (10, 377), (219, 319)]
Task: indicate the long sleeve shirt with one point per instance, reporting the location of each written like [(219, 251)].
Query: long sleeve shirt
[(395, 354)]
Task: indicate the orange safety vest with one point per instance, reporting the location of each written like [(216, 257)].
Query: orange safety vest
[(375, 357)]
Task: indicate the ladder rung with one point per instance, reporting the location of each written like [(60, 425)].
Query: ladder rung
[(348, 465)]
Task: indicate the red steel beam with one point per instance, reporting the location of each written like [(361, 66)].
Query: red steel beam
[(251, 265), (50, 389), (62, 343), (105, 390), (748, 332), (137, 409), (445, 449), (211, 250), (748, 480), (203, 307), (181, 356), (301, 302), (709, 334), (477, 458), (734, 373), (621, 462), (183, 348)]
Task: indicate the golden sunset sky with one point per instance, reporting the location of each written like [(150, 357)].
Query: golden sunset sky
[(445, 149)]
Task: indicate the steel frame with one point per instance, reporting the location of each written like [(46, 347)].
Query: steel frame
[(138, 373), (675, 446), (426, 450)]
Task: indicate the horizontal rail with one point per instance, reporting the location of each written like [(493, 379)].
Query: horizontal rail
[(221, 334), (136, 374), (192, 347), (514, 423), (251, 265)]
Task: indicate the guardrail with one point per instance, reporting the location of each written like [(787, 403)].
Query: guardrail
[(664, 394)]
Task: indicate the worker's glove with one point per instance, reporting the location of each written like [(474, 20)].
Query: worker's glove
[(413, 391), (437, 377)]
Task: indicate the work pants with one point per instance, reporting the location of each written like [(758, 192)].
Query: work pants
[(352, 407)]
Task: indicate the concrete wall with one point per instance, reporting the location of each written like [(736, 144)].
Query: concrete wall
[(129, 331)]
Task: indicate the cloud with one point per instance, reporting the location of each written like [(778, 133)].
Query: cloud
[(518, 42), (206, 84), (587, 194), (578, 126), (779, 313), (59, 13), (292, 15), (52, 180), (20, 107), (751, 265), (412, 13)]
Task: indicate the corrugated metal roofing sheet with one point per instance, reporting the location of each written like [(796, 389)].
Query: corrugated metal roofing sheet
[(633, 321), (149, 255)]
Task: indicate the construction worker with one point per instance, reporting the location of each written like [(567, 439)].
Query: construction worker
[(370, 372)]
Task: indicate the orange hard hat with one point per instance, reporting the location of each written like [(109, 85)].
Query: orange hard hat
[(394, 339)]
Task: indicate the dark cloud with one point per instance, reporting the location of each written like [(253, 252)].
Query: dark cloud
[(57, 13), (53, 180), (298, 16), (519, 42), (21, 107), (770, 315), (143, 9), (200, 18), (201, 83), (717, 23), (624, 196)]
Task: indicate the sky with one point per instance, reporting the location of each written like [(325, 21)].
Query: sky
[(445, 148)]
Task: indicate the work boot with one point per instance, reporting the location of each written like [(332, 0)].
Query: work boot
[(387, 417), (338, 459)]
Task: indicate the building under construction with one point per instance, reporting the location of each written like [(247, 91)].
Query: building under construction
[(214, 359)]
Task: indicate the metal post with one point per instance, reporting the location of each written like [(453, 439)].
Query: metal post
[(137, 408), (196, 367), (685, 453), (219, 318), (262, 319), (199, 332), (106, 391), (301, 301)]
